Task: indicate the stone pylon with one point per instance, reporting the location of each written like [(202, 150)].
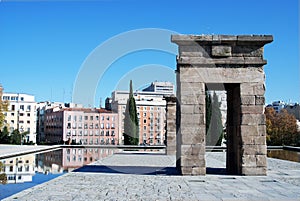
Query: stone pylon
[(222, 62)]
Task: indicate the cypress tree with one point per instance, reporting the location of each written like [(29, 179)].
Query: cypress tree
[(214, 127), (131, 124)]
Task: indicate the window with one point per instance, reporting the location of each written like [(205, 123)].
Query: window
[(69, 125), (113, 118), (107, 133), (28, 108), (145, 121), (96, 126), (80, 125), (27, 168), (112, 126), (80, 118), (144, 114), (97, 132), (102, 125), (102, 133), (91, 118), (75, 118), (13, 107), (113, 141), (28, 122), (22, 98), (11, 168), (107, 118), (85, 125), (74, 132), (97, 118), (91, 126), (68, 133), (112, 133), (80, 133), (151, 108), (145, 128), (12, 114), (28, 114), (145, 108), (85, 133), (69, 117), (21, 114), (86, 118), (107, 126), (91, 133), (102, 117)]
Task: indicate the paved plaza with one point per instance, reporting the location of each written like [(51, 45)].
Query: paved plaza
[(148, 176)]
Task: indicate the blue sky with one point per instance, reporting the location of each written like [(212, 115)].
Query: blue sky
[(44, 44)]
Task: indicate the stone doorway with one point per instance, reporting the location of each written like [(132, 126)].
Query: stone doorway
[(236, 63)]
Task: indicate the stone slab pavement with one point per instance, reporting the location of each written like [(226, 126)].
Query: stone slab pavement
[(94, 182)]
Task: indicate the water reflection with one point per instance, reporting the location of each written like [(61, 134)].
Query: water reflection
[(23, 168), (284, 155)]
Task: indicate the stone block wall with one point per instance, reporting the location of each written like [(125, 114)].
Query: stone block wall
[(236, 64)]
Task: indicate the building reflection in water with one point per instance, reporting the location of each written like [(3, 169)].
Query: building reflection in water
[(22, 168)]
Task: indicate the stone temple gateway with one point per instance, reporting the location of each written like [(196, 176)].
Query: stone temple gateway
[(222, 62)]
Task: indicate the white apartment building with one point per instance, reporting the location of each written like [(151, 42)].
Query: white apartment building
[(21, 114), (151, 111)]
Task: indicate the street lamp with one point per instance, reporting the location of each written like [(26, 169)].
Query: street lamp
[(16, 176), (21, 131)]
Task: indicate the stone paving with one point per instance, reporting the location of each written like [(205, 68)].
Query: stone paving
[(282, 182)]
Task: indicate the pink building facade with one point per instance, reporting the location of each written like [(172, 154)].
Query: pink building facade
[(81, 126)]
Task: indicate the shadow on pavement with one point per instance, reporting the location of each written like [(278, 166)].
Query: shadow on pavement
[(128, 170)]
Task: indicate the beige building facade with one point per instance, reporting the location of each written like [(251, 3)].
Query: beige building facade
[(87, 126), (21, 114)]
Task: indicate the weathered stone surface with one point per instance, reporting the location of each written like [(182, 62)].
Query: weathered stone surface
[(252, 89), (253, 119), (221, 51), (254, 150), (248, 100), (254, 171), (192, 88), (252, 109), (261, 160), (192, 99), (192, 119), (260, 100), (224, 75), (249, 161)]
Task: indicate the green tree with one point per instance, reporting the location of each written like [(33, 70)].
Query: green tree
[(3, 177), (3, 108), (4, 136), (214, 126), (131, 124), (281, 128), (16, 136)]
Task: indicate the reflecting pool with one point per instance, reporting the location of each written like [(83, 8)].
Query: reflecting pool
[(26, 171)]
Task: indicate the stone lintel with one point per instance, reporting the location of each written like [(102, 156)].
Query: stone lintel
[(206, 39), (202, 61)]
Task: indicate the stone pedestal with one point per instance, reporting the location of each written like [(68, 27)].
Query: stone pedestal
[(234, 64)]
